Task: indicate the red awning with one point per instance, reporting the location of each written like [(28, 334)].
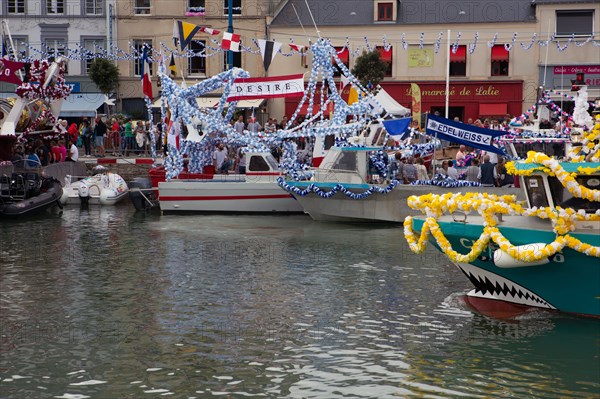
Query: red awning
[(499, 53), (385, 55), (343, 54), (460, 55), (492, 109)]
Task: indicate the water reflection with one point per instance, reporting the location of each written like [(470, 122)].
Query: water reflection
[(106, 303)]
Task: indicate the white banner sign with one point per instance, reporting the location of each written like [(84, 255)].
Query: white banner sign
[(269, 87)]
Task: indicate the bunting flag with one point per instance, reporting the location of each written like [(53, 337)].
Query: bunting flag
[(231, 41), (210, 31), (461, 133), (397, 128), (184, 33), (172, 66), (268, 50), (8, 71), (296, 47), (352, 96), (344, 81), (145, 74)]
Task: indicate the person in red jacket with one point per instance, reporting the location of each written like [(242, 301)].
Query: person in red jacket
[(73, 132)]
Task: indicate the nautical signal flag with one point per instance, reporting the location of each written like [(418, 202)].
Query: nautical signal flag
[(184, 33), (145, 74), (210, 31), (268, 50), (296, 47), (172, 66), (231, 41)]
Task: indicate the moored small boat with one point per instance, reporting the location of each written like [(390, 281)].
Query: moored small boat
[(27, 193), (104, 188)]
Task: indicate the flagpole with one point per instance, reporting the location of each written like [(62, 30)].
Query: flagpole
[(12, 45), (311, 17), (230, 30), (300, 21)]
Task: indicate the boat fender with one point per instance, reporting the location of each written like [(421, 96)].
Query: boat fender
[(505, 261)]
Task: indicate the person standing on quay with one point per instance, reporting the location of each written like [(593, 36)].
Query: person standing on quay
[(129, 138), (100, 132)]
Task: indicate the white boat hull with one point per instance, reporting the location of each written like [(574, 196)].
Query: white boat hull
[(102, 189), (225, 196), (391, 207)]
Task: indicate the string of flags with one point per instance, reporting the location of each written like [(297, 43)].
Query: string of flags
[(184, 32)]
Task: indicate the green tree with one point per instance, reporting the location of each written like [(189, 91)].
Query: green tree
[(369, 67), (105, 75)]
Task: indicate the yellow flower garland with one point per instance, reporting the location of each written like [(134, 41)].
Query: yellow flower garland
[(563, 222)]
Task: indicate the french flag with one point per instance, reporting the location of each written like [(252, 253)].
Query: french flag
[(145, 72)]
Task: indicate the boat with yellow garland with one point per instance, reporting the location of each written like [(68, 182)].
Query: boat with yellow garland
[(544, 254)]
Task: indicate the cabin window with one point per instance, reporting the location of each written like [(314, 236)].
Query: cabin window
[(536, 191), (258, 164), (345, 161), (563, 198)]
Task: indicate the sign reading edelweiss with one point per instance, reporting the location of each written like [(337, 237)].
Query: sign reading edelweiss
[(462, 133), (269, 87)]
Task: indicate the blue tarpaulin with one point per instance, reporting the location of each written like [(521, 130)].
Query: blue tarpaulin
[(461, 133), (397, 128)]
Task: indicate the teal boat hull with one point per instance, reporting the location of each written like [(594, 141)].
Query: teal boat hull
[(569, 282)]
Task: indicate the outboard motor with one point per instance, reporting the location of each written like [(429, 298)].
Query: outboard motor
[(143, 198), (84, 196)]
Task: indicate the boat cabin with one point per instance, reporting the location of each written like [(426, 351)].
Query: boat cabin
[(345, 165), (542, 190)]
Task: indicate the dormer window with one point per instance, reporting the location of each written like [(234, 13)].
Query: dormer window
[(385, 11)]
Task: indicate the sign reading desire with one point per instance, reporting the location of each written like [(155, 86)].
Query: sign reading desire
[(462, 133), (269, 87)]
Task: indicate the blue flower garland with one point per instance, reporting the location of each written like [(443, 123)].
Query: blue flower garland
[(337, 188)]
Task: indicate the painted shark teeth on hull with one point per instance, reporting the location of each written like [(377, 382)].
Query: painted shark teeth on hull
[(492, 286)]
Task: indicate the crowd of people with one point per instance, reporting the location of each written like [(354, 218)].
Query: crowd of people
[(116, 137)]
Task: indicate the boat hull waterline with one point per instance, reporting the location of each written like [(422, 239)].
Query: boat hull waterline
[(214, 196), (568, 282)]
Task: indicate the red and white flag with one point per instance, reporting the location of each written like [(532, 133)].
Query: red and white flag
[(210, 31), (231, 41), (296, 47), (145, 74), (268, 87)]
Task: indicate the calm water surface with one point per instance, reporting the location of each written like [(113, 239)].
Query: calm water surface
[(108, 303)]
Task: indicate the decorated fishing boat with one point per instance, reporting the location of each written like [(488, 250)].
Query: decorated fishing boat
[(543, 255), (256, 191), (352, 183), (104, 188), (27, 193)]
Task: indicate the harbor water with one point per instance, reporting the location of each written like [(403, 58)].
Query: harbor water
[(109, 303)]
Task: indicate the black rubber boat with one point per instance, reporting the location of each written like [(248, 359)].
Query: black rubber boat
[(26, 193)]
